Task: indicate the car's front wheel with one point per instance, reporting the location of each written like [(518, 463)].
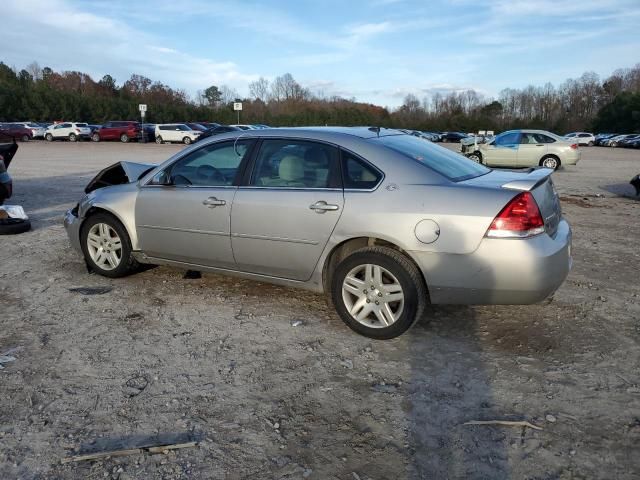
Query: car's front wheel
[(590, 144), (159, 140), (72, 137), (95, 137), (186, 140), (475, 156), (26, 138), (106, 246), (378, 292), (124, 138), (48, 137)]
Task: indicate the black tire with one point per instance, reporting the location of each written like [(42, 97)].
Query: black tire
[(95, 137), (124, 138), (25, 138), (474, 155), (72, 137), (550, 157), (128, 264), (159, 140), (407, 274), (13, 226), (445, 140), (590, 144), (48, 137), (186, 140)]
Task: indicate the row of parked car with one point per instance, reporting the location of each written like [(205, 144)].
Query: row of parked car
[(123, 131), (629, 140)]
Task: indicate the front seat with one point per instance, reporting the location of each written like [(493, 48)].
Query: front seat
[(291, 172)]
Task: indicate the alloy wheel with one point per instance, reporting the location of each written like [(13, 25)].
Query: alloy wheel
[(475, 157), (550, 162), (373, 296), (104, 246)]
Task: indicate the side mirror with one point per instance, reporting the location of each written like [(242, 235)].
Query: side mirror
[(161, 178)]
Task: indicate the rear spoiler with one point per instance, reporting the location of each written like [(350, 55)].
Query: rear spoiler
[(535, 177)]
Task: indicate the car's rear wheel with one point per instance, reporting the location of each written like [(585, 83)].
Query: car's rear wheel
[(124, 138), (550, 161), (475, 156), (25, 138), (106, 246), (48, 137), (378, 292), (72, 137), (590, 144), (159, 140), (186, 140), (95, 137)]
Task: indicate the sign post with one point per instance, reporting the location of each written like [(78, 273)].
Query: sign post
[(143, 110), (237, 106)]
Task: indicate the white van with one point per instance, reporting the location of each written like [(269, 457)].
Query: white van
[(175, 132)]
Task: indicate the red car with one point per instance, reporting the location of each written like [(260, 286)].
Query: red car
[(18, 131), (117, 130)]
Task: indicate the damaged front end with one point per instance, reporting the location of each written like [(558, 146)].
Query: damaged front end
[(122, 176)]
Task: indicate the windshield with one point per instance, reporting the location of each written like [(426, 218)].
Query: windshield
[(447, 163)]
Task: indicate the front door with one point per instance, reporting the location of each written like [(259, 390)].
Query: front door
[(185, 215), (503, 151), (281, 221)]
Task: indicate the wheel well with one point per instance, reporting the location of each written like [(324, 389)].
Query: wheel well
[(95, 210), (346, 248)]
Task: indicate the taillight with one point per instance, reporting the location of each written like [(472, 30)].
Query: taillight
[(77, 130), (574, 146), (521, 218)]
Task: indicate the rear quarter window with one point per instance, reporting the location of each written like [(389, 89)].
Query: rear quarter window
[(449, 164)]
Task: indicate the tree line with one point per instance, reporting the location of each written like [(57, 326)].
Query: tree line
[(584, 103)]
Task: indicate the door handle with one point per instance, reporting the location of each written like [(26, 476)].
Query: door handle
[(322, 206), (213, 202)]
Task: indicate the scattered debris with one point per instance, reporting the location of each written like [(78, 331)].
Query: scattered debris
[(346, 363), (133, 451), (91, 290), (550, 418), (296, 323), (135, 386), (6, 359), (503, 422), (192, 275)]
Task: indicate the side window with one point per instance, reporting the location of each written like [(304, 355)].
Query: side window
[(504, 139), (541, 138), (296, 164), (528, 138), (210, 166), (358, 174), (165, 127)]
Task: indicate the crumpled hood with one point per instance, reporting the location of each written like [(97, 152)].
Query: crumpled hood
[(118, 174)]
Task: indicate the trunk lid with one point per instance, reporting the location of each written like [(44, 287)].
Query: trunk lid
[(538, 181)]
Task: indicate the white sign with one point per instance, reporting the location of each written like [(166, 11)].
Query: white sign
[(482, 132), (490, 133), (142, 107), (237, 106)]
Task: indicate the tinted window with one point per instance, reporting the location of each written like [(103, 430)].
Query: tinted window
[(357, 174), (447, 163), (166, 127), (81, 125), (296, 164), (213, 165), (507, 138), (544, 138)]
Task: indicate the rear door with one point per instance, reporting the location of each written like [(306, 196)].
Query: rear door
[(531, 149), (286, 210)]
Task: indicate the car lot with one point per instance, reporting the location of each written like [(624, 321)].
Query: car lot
[(274, 385)]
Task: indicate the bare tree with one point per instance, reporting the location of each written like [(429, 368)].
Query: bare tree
[(259, 90)]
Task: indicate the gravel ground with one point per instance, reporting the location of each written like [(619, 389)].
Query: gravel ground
[(273, 385)]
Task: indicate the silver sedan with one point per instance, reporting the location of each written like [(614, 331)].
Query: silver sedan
[(382, 222)]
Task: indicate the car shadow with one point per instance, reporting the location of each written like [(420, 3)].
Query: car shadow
[(624, 190)]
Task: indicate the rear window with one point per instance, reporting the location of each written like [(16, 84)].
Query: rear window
[(447, 163)]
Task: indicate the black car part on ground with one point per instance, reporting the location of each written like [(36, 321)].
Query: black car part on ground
[(12, 226), (8, 148), (635, 181)]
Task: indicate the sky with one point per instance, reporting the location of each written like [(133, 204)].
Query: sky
[(377, 51)]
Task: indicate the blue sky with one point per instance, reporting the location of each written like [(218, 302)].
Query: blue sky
[(376, 51)]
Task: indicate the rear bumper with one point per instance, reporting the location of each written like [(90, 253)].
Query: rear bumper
[(500, 271), (72, 226)]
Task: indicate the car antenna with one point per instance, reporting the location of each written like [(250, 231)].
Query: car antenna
[(375, 129)]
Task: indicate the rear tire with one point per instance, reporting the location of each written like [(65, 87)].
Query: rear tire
[(159, 140), (590, 144), (395, 295), (25, 138), (95, 137), (124, 138), (13, 226), (115, 241), (550, 161), (476, 157)]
